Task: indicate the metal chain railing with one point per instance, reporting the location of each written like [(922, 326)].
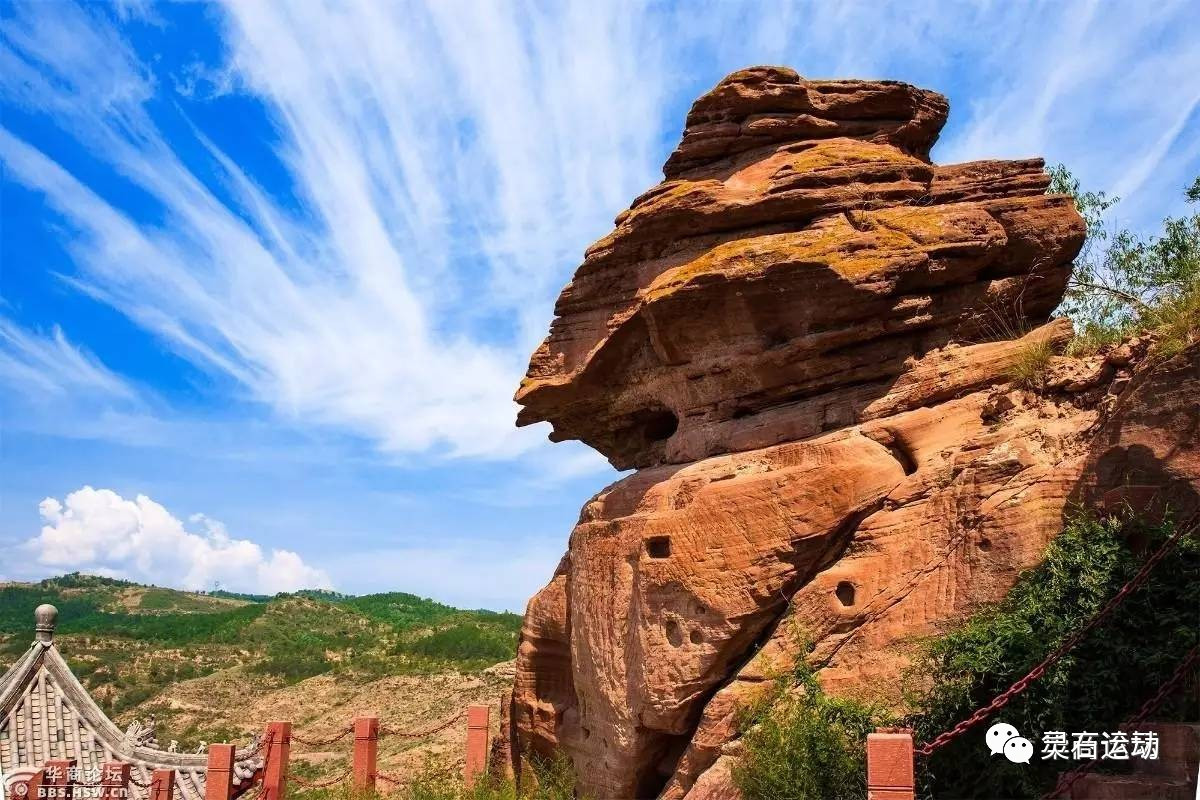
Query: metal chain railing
[(323, 742), (1002, 699), (320, 784), (1189, 663), (385, 731), (392, 779)]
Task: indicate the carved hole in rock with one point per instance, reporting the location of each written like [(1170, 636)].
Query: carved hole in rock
[(985, 544), (696, 636), (740, 412), (659, 546), (587, 733), (845, 593), (674, 634)]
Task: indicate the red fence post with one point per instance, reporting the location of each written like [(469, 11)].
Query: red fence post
[(218, 779), (366, 751), (114, 780), (477, 743), (279, 747), (57, 780), (890, 774), (162, 784)]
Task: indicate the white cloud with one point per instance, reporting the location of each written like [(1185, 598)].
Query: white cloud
[(98, 531), (49, 366), (53, 386)]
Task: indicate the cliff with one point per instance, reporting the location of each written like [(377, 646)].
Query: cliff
[(805, 341)]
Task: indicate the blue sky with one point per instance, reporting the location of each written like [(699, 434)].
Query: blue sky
[(272, 270)]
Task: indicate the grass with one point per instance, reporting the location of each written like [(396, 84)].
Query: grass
[(1177, 322), (1029, 366), (546, 780)]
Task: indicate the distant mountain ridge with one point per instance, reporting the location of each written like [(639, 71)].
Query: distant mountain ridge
[(105, 624)]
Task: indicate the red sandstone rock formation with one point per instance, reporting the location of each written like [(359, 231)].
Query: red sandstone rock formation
[(802, 339)]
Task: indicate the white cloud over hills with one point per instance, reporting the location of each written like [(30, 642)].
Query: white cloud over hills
[(100, 532)]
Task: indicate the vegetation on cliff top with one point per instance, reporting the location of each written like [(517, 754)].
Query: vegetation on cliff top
[(1124, 283)]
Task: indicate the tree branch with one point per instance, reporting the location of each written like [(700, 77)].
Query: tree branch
[(1126, 296)]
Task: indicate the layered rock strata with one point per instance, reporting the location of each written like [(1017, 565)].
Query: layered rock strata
[(803, 341)]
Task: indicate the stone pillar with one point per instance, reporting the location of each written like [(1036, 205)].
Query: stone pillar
[(477, 743), (890, 765), (114, 780), (57, 782), (279, 747), (162, 784), (218, 780), (366, 751)]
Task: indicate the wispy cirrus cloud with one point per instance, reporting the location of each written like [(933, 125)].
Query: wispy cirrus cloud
[(50, 366), (447, 168)]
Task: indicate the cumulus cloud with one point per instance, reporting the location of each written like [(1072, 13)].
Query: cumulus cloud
[(98, 531)]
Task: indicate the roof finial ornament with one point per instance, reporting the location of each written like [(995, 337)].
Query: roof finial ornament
[(46, 617)]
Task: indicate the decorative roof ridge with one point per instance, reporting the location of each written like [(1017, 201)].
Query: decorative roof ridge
[(44, 654), (18, 675)]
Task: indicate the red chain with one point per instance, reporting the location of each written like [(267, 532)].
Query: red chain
[(1068, 779), (383, 776), (1021, 685), (385, 731), (322, 742), (303, 784)]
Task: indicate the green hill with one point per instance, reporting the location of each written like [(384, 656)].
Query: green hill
[(129, 642)]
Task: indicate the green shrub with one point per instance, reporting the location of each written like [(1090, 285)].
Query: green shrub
[(467, 643), (802, 744), (1100, 683)]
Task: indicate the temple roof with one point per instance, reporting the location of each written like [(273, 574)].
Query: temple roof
[(46, 713)]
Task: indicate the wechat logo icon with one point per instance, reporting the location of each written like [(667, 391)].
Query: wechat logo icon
[(1004, 738)]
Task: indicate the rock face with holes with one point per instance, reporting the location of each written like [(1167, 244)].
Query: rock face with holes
[(803, 340)]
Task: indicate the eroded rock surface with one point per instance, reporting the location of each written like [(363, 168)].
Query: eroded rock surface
[(803, 339)]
